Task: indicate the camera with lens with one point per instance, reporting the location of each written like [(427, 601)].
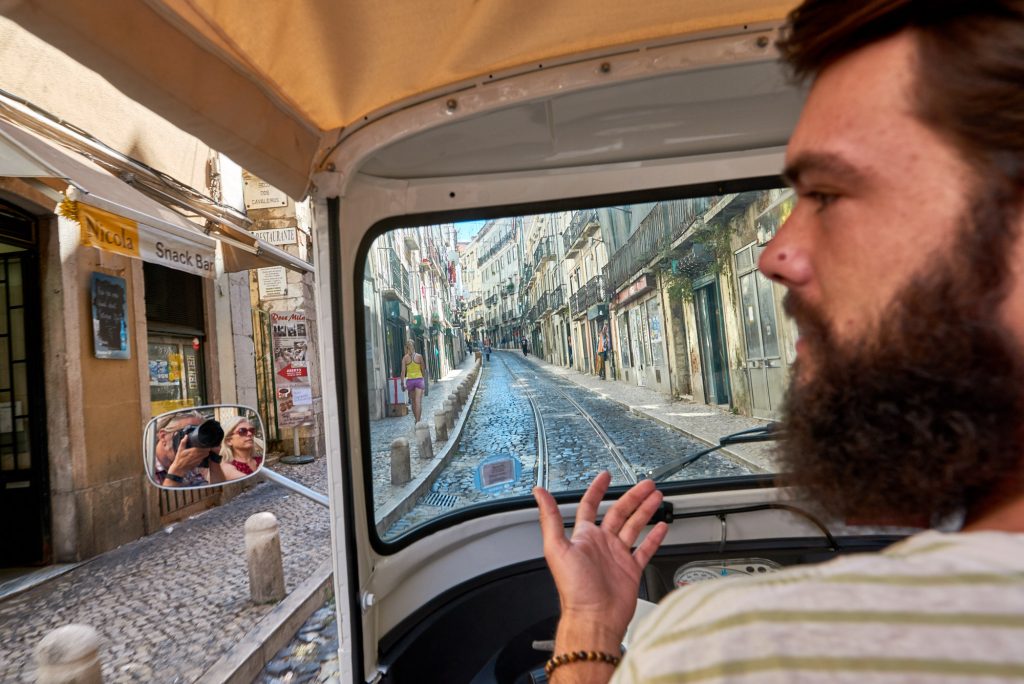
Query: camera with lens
[(207, 435)]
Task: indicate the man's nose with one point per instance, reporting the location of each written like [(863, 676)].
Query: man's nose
[(786, 259)]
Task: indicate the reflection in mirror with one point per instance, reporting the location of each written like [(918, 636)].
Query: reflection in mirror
[(203, 446), (547, 330)]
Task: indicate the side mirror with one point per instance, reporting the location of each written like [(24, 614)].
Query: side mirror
[(205, 446)]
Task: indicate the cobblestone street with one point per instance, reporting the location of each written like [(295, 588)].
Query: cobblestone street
[(170, 605)]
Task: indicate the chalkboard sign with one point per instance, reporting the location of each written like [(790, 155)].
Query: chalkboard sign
[(110, 317)]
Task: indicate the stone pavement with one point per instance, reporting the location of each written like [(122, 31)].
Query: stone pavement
[(386, 430), (170, 605), (701, 422)]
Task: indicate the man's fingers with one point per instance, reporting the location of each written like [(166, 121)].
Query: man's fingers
[(641, 516), (587, 510), (625, 507), (650, 544), (551, 528)]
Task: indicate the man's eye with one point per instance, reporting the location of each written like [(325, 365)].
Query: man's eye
[(822, 199)]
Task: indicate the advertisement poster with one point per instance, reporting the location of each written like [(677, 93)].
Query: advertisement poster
[(109, 317), (294, 394)]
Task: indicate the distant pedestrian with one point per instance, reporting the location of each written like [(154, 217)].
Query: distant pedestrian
[(570, 352), (604, 343), (487, 353), (525, 347)]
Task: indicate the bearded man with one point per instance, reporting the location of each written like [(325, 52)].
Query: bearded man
[(902, 261)]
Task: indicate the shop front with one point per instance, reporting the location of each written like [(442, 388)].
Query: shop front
[(641, 334)]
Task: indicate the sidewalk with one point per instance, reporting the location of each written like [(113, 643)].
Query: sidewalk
[(386, 430), (171, 605), (700, 422)]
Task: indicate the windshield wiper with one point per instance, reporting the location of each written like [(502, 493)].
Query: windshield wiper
[(765, 433)]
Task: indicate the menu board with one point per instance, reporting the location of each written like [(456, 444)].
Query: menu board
[(294, 392), (109, 317)]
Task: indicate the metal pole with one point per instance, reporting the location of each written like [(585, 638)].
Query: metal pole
[(305, 491)]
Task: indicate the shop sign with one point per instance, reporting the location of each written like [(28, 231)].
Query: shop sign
[(290, 342), (161, 249), (273, 282), (259, 194), (109, 232), (597, 311), (109, 296), (635, 289), (278, 236)]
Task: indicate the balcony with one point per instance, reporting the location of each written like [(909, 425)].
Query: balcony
[(542, 253), (542, 304), (396, 278), (583, 224), (660, 230), (495, 248), (574, 304), (594, 292), (491, 301), (556, 299)]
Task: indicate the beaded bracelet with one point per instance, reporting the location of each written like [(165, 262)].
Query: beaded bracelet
[(580, 656)]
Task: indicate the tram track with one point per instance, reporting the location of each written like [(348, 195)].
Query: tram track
[(617, 459)]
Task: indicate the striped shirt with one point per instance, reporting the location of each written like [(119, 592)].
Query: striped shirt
[(933, 608)]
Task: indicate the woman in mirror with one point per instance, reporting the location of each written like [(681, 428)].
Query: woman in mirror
[(241, 453)]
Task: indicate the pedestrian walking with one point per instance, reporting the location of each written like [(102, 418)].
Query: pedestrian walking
[(412, 378), (525, 347), (604, 342)]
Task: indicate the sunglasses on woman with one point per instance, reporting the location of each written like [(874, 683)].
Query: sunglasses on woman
[(245, 432)]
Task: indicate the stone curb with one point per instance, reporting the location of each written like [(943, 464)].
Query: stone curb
[(243, 664), (407, 496), (725, 451)]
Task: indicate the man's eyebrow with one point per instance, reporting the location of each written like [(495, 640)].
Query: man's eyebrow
[(820, 162)]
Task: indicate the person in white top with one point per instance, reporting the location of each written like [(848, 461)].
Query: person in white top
[(903, 263)]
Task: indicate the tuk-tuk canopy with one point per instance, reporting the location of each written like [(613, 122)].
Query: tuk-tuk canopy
[(275, 85)]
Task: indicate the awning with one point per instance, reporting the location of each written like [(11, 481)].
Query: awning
[(126, 221), (301, 74)]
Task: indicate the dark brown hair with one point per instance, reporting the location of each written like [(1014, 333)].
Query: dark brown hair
[(970, 68)]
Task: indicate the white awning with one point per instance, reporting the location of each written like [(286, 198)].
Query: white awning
[(165, 237)]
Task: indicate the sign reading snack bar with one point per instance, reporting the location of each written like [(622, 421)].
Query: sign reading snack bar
[(294, 396), (113, 233)]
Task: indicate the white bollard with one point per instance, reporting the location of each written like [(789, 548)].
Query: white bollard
[(69, 655), (401, 471), (441, 426), (424, 445), (453, 399), (263, 553)]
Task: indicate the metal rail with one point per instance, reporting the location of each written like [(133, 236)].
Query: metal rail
[(618, 459)]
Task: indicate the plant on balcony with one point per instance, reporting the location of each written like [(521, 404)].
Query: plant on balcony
[(679, 275)]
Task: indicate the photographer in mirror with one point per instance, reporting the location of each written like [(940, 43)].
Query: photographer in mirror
[(180, 459)]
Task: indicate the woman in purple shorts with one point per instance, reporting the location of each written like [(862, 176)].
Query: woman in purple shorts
[(412, 378)]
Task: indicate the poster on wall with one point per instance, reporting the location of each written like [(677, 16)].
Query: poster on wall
[(294, 393), (109, 296)]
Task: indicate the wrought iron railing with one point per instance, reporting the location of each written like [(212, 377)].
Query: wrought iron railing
[(496, 247), (666, 222), (542, 304), (579, 223), (542, 252), (556, 299)]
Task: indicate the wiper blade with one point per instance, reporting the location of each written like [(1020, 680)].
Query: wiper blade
[(764, 433)]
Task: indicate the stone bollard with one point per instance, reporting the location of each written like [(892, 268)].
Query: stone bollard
[(463, 393), (69, 655), (441, 426), (449, 415), (401, 471), (456, 406), (263, 553), (424, 447)]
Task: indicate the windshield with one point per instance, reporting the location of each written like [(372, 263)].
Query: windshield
[(541, 349)]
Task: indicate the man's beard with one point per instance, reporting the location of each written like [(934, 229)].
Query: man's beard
[(920, 419)]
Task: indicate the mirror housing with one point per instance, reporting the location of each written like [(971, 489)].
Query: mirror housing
[(203, 446)]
